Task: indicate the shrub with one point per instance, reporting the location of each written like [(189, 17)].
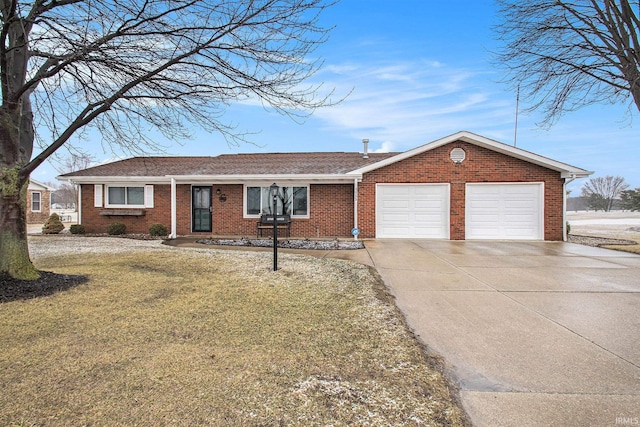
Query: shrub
[(158, 230), (76, 229), (53, 225), (116, 229)]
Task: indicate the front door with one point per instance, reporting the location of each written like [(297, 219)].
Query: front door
[(201, 209)]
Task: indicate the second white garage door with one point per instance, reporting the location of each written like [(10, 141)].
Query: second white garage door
[(504, 211), (412, 210)]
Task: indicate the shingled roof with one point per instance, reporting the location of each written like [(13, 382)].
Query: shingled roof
[(320, 163)]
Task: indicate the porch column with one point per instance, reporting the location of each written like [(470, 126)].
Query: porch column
[(79, 203), (174, 222), (355, 205)]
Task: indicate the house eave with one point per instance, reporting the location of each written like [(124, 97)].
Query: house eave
[(277, 178), (215, 179), (115, 179)]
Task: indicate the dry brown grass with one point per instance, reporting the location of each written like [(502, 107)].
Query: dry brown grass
[(175, 337), (634, 249), (634, 236)]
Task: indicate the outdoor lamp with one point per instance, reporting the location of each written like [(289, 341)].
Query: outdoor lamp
[(274, 189)]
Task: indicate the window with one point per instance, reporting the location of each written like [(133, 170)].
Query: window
[(36, 201), (292, 201), (125, 196)]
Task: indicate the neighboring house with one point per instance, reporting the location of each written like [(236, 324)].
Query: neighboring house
[(463, 186), (38, 202)]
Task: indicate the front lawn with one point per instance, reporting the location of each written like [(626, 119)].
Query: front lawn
[(165, 336)]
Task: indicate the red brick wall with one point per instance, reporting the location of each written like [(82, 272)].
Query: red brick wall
[(95, 223), (330, 209), (480, 165), (45, 207), (330, 205)]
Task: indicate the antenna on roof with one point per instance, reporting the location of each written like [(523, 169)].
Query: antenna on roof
[(365, 152), (515, 131)]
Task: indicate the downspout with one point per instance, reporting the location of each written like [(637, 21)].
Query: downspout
[(355, 206), (564, 206), (174, 223)]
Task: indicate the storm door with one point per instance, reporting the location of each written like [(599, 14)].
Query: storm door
[(201, 208)]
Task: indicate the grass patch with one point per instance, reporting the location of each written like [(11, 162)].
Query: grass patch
[(634, 249), (166, 336)]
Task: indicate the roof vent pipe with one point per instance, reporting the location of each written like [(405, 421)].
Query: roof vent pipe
[(365, 153)]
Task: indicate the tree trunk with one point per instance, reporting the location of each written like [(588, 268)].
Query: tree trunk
[(14, 251), (16, 147)]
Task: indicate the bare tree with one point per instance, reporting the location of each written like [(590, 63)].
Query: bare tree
[(601, 192), (630, 199), (122, 66), (77, 160), (564, 55), (65, 195)]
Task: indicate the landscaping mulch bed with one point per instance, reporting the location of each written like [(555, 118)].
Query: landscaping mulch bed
[(49, 283), (326, 245), (597, 241)]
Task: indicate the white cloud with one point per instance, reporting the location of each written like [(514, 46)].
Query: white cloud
[(411, 102), (386, 147)]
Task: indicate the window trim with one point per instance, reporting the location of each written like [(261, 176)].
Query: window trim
[(265, 185), (39, 193), (147, 196)]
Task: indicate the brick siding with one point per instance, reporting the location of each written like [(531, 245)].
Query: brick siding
[(480, 165), (331, 205), (330, 208), (45, 207)]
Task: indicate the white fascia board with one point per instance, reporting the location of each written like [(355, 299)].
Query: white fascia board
[(577, 173), (484, 142), (39, 186), (278, 179), (116, 179)]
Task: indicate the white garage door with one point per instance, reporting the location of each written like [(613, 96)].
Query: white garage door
[(504, 211), (412, 210)]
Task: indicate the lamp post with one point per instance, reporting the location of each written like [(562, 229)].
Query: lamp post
[(274, 194)]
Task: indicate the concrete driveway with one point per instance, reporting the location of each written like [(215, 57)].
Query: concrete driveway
[(540, 333)]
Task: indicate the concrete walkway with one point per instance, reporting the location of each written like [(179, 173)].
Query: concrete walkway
[(536, 334)]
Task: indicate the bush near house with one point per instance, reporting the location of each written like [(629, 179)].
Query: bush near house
[(76, 229), (116, 229), (158, 230), (53, 225)]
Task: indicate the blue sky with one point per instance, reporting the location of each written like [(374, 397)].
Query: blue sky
[(416, 71)]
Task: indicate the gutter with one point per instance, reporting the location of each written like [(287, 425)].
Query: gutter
[(564, 205)]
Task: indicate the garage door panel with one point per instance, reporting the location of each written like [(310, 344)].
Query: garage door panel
[(521, 204), (428, 232), (412, 210), (396, 204), (428, 204), (396, 218), (396, 231), (430, 218), (504, 211)]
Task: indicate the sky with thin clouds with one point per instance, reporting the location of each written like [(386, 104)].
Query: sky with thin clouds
[(414, 71)]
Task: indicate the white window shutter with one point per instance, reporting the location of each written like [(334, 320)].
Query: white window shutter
[(97, 195), (148, 196)]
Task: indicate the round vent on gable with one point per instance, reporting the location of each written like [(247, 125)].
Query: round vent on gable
[(457, 155)]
